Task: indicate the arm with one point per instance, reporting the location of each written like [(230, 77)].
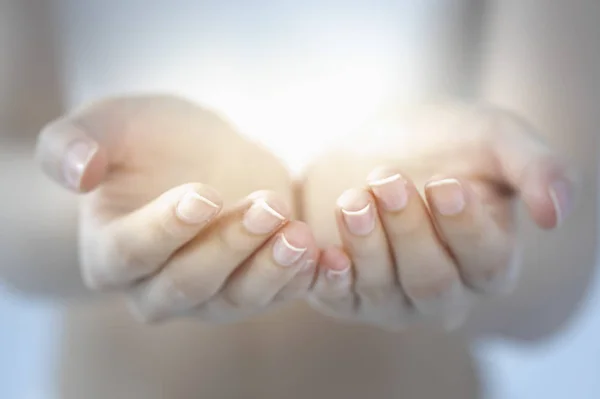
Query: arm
[(542, 61), (40, 250), (39, 238)]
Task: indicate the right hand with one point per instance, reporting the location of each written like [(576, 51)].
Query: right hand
[(150, 229)]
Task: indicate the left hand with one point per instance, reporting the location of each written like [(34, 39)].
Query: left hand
[(435, 229)]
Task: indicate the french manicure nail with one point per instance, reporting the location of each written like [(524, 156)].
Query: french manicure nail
[(194, 208), (261, 218), (335, 274), (391, 190), (286, 254), (78, 155), (448, 196), (560, 194), (357, 211)]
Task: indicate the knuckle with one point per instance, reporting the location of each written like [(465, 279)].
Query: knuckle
[(490, 276), (182, 290), (231, 299), (237, 300), (435, 286), (496, 259), (256, 300), (368, 250), (246, 298), (374, 293), (273, 275), (409, 222), (341, 310), (167, 228), (123, 258), (234, 244)]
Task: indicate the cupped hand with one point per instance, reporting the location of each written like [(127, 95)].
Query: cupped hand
[(170, 213), (434, 229)]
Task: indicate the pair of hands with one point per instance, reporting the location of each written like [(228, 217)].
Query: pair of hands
[(162, 219)]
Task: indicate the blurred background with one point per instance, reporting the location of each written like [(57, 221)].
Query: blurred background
[(242, 57)]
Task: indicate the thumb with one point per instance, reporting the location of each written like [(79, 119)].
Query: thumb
[(546, 183), (76, 151), (71, 156)]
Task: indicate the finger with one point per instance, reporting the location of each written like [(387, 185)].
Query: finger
[(138, 244), (482, 247), (332, 292), (365, 242), (254, 285), (300, 286), (79, 150), (71, 156), (199, 270), (545, 183), (426, 271)]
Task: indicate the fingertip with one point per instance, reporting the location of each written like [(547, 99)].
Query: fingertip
[(266, 212), (446, 196), (390, 188), (198, 204), (93, 172), (550, 196), (70, 157), (293, 244), (335, 263), (275, 203), (356, 212), (562, 195)]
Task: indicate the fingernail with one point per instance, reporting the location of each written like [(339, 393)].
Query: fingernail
[(78, 155), (390, 190), (448, 196), (194, 208), (560, 194), (261, 218), (285, 253), (335, 274), (357, 211)]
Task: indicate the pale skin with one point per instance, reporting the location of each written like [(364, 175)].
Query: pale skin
[(188, 249), (106, 354), (435, 229), (404, 257)]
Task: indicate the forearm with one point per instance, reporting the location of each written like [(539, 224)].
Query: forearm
[(39, 234), (559, 265)]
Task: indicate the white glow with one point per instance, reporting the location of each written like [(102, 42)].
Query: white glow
[(297, 80)]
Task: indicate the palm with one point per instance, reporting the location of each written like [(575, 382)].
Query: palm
[(166, 142)]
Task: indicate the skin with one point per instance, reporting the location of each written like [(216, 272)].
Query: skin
[(161, 224), (175, 251), (216, 270), (135, 240), (106, 353), (436, 228)]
